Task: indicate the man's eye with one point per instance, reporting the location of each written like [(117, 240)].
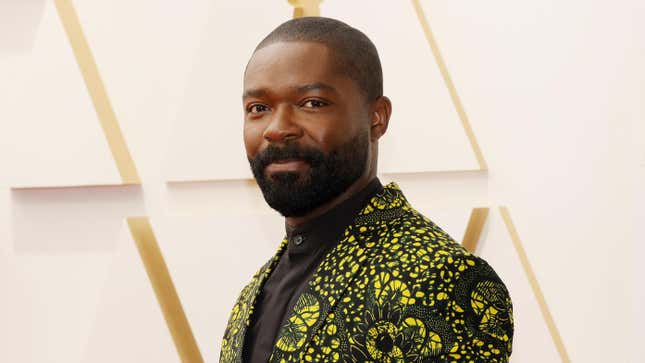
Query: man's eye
[(257, 108), (314, 104)]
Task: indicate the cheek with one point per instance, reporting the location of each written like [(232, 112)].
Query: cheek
[(333, 133), (328, 140), (252, 135)]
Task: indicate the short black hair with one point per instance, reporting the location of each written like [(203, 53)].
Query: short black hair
[(356, 56)]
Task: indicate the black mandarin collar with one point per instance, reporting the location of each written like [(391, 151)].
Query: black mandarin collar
[(324, 230)]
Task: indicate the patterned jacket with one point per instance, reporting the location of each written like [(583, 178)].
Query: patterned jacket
[(396, 288)]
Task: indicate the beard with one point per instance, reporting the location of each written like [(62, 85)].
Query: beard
[(328, 175)]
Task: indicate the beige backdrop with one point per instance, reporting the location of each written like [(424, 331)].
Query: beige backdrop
[(110, 110)]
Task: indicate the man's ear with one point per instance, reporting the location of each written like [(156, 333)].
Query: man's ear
[(381, 111)]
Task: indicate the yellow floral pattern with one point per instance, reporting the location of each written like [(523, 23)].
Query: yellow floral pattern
[(396, 288), (305, 315)]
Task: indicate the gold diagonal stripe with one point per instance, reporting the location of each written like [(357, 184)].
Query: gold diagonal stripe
[(537, 291), (97, 92), (474, 229), (454, 96), (164, 288)]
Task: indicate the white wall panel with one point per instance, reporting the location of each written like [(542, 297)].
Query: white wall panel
[(129, 325), (145, 51), (59, 221), (206, 139), (50, 134), (53, 306)]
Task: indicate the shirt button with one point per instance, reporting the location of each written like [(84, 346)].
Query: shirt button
[(298, 240)]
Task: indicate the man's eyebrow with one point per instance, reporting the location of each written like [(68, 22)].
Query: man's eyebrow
[(318, 86), (259, 92)]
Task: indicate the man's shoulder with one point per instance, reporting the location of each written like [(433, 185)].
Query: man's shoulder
[(413, 232), (417, 249)]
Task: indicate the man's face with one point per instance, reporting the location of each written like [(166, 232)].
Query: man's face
[(306, 126)]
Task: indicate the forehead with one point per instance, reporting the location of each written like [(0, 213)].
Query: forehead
[(291, 63)]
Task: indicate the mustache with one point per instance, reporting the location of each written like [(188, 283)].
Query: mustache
[(274, 153)]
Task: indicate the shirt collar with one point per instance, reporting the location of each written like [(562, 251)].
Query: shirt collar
[(325, 229)]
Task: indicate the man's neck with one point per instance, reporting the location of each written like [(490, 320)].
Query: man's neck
[(354, 188)]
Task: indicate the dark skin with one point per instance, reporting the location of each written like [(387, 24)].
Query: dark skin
[(293, 92)]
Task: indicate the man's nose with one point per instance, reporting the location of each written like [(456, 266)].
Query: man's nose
[(282, 126)]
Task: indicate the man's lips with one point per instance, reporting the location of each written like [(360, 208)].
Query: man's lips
[(287, 165)]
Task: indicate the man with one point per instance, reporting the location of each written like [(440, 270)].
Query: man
[(361, 276)]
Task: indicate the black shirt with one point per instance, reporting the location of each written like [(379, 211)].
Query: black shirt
[(307, 246)]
